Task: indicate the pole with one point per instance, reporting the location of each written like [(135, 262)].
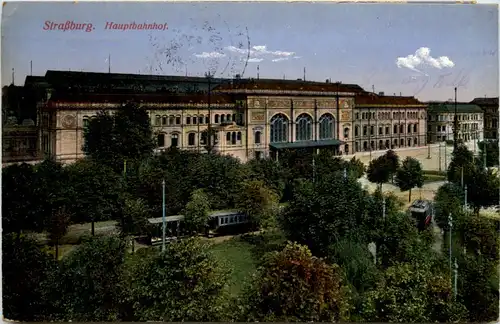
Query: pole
[(450, 224), (485, 153), (314, 169), (455, 128), (163, 218), (439, 148), (209, 134), (345, 173), (383, 207), (465, 198), (455, 288), (428, 150), (462, 176), (31, 67)]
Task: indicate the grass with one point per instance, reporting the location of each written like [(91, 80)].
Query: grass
[(238, 255), (433, 177)]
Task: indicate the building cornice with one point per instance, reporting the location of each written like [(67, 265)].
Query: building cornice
[(390, 106), (147, 105), (286, 92)]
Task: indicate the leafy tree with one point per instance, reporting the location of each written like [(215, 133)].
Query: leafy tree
[(393, 159), (258, 202), (462, 162), (197, 211), (295, 286), (185, 283), (25, 268), (359, 268), (490, 149), (19, 208), (373, 225), (480, 237), (270, 172), (411, 293), (134, 218), (58, 227), (324, 212), (94, 191), (356, 168), (449, 199), (125, 136), (482, 188), (478, 287), (89, 285), (410, 175), (326, 162), (379, 170)]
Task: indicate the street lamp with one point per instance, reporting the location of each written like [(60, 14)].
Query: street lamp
[(163, 218), (450, 224)]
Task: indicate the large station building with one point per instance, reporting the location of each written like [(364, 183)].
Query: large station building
[(251, 118)]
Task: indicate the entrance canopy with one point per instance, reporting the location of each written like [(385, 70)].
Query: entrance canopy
[(306, 144)]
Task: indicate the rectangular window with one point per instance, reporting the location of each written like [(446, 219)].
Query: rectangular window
[(177, 120), (164, 120), (188, 120)]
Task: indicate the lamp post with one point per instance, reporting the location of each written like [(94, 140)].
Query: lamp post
[(455, 288), (450, 224), (163, 217)]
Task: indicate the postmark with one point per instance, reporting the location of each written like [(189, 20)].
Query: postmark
[(201, 43)]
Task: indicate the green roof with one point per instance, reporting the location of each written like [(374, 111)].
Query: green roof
[(462, 108), (305, 144)]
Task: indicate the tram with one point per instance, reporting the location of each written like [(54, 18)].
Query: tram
[(422, 212), (220, 222)]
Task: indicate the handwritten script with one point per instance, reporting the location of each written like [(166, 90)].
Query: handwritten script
[(445, 80)]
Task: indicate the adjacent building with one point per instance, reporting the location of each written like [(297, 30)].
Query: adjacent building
[(490, 109), (246, 118), (440, 123)]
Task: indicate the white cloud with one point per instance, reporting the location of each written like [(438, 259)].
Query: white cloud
[(255, 60), (210, 55), (421, 58), (258, 53)]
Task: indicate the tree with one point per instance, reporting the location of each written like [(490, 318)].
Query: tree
[(482, 188), (185, 283), (449, 199), (25, 268), (393, 159), (379, 170), (197, 211), (258, 202), (270, 172), (58, 227), (94, 191), (356, 168), (462, 162), (134, 218), (125, 136), (88, 287), (295, 286), (19, 207), (409, 176), (411, 293), (488, 150), (322, 213)]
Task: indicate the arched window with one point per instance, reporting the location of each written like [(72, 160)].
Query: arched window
[(238, 136), (356, 131), (222, 118), (217, 119), (326, 127), (207, 119), (346, 132), (387, 144), (157, 120), (365, 130), (409, 142), (164, 120), (161, 140), (409, 128), (200, 120), (257, 137), (395, 130), (303, 128), (401, 129), (402, 142), (174, 140), (414, 128), (228, 137), (279, 128), (191, 139), (195, 119), (171, 120), (380, 145), (228, 118), (188, 120), (233, 138)]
